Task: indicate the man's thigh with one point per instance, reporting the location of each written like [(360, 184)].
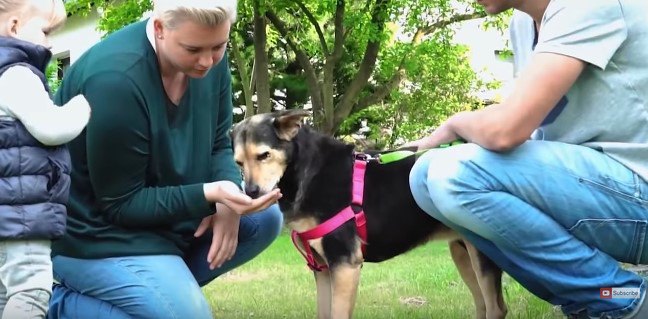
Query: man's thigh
[(594, 197)]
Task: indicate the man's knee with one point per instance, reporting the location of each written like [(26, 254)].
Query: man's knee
[(440, 175)]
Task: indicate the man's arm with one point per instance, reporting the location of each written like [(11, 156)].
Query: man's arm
[(500, 127), (572, 36)]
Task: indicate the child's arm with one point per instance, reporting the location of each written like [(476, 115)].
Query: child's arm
[(23, 97)]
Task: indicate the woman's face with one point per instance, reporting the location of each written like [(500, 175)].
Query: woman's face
[(192, 48)]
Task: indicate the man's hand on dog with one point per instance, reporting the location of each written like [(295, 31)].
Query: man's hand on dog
[(228, 194), (442, 135), (225, 226)]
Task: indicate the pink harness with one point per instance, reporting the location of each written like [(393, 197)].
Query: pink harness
[(336, 221)]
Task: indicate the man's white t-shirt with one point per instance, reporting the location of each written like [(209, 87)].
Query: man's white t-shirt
[(607, 107)]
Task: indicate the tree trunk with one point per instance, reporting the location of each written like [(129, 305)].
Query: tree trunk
[(241, 66), (261, 76)]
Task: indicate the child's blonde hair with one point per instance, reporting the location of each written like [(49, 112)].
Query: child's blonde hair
[(21, 7), (209, 13)]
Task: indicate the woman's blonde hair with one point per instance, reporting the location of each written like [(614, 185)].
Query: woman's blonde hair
[(21, 7), (209, 13)]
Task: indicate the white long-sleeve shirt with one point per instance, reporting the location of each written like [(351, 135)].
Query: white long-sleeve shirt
[(23, 98)]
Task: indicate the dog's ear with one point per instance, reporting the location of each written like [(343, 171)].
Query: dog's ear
[(287, 123)]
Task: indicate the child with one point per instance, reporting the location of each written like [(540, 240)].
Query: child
[(34, 167)]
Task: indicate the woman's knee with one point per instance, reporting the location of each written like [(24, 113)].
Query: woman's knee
[(258, 231), (127, 287), (269, 223), (66, 303)]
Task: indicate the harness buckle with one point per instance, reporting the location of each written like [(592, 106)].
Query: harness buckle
[(363, 157)]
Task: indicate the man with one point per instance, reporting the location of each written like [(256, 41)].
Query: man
[(552, 186)]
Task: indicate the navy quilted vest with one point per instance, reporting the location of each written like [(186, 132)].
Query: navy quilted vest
[(34, 178)]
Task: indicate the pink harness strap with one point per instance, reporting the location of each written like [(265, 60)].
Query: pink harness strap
[(359, 168)]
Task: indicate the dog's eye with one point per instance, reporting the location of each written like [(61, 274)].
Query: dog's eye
[(263, 156), (239, 163)]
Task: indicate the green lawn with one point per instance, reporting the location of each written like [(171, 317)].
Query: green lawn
[(420, 284)]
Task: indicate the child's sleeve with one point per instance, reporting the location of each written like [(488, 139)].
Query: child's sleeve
[(23, 97)]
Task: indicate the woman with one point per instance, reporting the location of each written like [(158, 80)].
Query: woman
[(155, 206)]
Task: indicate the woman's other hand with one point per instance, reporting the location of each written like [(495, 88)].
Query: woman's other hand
[(225, 227)]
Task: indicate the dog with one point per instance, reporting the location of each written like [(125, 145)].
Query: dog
[(316, 175)]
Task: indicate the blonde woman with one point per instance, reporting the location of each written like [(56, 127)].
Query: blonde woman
[(156, 209), (34, 167)]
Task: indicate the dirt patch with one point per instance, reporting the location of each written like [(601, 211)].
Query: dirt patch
[(243, 276), (416, 301)]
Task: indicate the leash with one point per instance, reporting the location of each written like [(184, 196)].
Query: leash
[(398, 155)]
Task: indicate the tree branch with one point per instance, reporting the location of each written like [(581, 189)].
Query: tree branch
[(382, 92), (245, 80), (454, 19), (261, 76), (302, 58), (368, 64), (315, 24), (338, 45), (385, 90)]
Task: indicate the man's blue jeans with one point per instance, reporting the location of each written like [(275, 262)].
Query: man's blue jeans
[(159, 286), (554, 216)]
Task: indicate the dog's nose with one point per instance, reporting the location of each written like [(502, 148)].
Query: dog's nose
[(252, 190)]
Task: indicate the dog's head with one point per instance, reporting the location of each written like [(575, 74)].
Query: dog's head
[(262, 146)]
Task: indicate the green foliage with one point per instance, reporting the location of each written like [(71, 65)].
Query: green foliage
[(118, 14), (51, 73), (115, 14), (439, 83), (80, 7), (414, 47)]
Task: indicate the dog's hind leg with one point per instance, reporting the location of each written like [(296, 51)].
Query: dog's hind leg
[(489, 277), (345, 278), (323, 282), (461, 259)]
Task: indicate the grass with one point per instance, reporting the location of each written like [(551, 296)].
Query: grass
[(420, 284)]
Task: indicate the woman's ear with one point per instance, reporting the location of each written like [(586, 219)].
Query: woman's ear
[(158, 29)]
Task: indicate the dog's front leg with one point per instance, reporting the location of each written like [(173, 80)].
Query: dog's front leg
[(323, 282), (345, 278)]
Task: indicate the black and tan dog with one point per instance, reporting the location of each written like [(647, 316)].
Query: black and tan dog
[(314, 173)]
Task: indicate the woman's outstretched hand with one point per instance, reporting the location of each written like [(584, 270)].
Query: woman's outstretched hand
[(228, 194)]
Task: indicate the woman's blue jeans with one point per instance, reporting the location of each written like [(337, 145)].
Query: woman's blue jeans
[(554, 216), (159, 286)]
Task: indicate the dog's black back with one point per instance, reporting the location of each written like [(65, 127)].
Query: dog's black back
[(318, 183)]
